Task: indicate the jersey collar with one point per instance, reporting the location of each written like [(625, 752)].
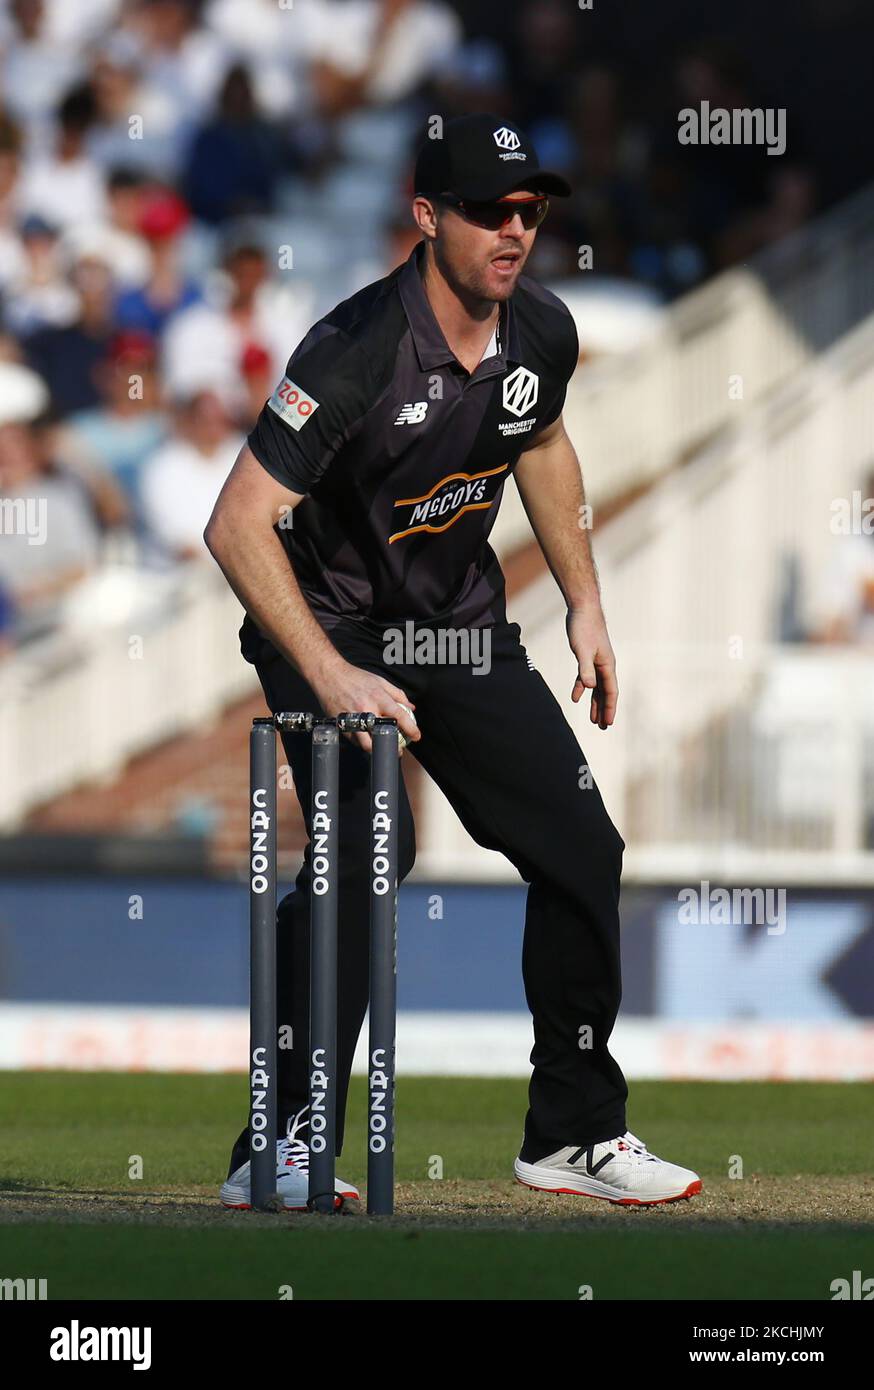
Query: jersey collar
[(432, 348)]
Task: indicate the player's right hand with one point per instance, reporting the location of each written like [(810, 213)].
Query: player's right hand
[(347, 688)]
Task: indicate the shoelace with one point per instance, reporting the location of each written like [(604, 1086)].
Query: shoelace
[(292, 1151), (637, 1146)]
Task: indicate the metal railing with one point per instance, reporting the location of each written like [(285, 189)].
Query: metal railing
[(75, 710), (720, 351)]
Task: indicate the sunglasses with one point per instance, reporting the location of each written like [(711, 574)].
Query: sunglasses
[(494, 214)]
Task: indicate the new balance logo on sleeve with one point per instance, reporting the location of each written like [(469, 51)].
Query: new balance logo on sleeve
[(412, 414)]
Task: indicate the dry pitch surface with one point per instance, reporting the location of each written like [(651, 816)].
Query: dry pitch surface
[(772, 1201)]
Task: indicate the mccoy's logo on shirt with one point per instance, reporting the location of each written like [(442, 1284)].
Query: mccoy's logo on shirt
[(292, 404), (449, 499)]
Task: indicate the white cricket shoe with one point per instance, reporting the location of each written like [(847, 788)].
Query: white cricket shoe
[(621, 1170), (292, 1174)]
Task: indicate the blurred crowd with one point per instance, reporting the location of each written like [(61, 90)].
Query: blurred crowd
[(185, 185)]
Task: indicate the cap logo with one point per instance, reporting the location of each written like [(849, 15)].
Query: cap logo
[(508, 141)]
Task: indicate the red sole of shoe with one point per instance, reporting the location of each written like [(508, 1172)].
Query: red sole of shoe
[(691, 1191)]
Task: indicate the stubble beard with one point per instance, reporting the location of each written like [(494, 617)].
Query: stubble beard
[(475, 283)]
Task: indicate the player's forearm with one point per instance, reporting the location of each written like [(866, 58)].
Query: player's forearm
[(255, 565), (551, 486)]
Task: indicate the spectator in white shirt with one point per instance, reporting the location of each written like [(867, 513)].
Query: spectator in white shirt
[(137, 123), (183, 63), (39, 295), (248, 312), (118, 240), (35, 71), (273, 41), (50, 536), (66, 186), (184, 477), (77, 25)]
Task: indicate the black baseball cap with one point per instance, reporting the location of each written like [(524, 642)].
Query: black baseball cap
[(482, 157)]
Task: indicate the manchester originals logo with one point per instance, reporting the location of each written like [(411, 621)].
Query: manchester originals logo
[(448, 500), (508, 142), (520, 391)]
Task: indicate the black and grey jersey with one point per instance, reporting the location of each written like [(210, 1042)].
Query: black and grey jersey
[(402, 455)]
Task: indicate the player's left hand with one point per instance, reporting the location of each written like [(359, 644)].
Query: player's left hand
[(587, 635)]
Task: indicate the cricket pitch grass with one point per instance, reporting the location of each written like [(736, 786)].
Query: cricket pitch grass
[(109, 1189)]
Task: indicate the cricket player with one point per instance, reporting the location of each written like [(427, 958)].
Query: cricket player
[(363, 501)]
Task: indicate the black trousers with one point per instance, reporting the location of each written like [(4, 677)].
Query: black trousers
[(499, 747)]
